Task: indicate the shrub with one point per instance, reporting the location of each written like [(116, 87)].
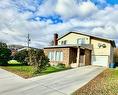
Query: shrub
[(3, 45), (33, 57), (60, 65), (37, 58), (21, 56)]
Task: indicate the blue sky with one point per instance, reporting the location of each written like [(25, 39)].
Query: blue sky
[(43, 18), (112, 2)]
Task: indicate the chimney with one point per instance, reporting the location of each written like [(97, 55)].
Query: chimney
[(55, 39)]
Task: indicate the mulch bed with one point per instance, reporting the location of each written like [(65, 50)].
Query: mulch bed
[(103, 84)]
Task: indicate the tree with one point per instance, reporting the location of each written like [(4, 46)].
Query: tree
[(38, 59), (33, 57), (3, 45), (21, 56), (5, 54)]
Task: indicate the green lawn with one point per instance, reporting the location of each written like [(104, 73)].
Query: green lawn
[(53, 69), (104, 84), (24, 71), (28, 71)]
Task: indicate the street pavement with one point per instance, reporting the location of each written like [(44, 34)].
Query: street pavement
[(60, 83)]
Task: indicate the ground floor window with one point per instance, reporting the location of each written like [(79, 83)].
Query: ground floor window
[(55, 56)]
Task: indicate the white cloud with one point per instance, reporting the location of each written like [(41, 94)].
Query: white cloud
[(47, 8), (107, 17), (83, 17), (87, 8), (107, 31), (68, 9)]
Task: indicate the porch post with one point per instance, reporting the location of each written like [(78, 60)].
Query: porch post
[(78, 55)]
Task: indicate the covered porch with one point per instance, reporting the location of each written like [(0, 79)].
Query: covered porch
[(82, 57), (72, 56)]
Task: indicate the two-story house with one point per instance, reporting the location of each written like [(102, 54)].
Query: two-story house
[(78, 49)]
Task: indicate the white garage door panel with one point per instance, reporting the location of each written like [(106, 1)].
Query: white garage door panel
[(100, 60)]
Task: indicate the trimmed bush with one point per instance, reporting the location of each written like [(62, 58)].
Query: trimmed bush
[(60, 65)]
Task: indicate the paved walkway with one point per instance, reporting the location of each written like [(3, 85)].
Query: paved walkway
[(60, 83)]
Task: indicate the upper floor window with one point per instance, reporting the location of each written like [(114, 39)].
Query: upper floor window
[(64, 42), (81, 41)]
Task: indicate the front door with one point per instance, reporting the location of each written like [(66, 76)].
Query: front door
[(82, 63), (82, 57)]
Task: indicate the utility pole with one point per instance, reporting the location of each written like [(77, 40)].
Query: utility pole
[(29, 53), (28, 40)]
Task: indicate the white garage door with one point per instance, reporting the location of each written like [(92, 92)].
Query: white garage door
[(100, 60)]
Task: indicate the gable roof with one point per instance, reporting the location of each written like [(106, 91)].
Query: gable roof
[(91, 36)]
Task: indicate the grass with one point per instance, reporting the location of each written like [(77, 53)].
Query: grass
[(104, 84), (53, 69), (28, 71), (23, 71)]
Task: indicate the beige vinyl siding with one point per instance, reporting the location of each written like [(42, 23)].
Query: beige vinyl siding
[(101, 55), (100, 51), (72, 39)]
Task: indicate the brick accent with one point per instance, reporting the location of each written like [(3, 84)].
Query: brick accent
[(66, 54), (69, 55)]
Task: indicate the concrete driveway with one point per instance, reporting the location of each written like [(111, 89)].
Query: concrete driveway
[(60, 83)]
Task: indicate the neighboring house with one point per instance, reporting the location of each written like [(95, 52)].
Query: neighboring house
[(78, 49), (14, 48)]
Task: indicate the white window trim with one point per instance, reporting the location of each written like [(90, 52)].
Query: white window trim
[(56, 56)]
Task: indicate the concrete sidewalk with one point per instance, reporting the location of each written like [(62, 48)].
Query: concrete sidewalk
[(60, 83)]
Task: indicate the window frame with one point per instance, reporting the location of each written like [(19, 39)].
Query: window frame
[(83, 41), (56, 56)]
